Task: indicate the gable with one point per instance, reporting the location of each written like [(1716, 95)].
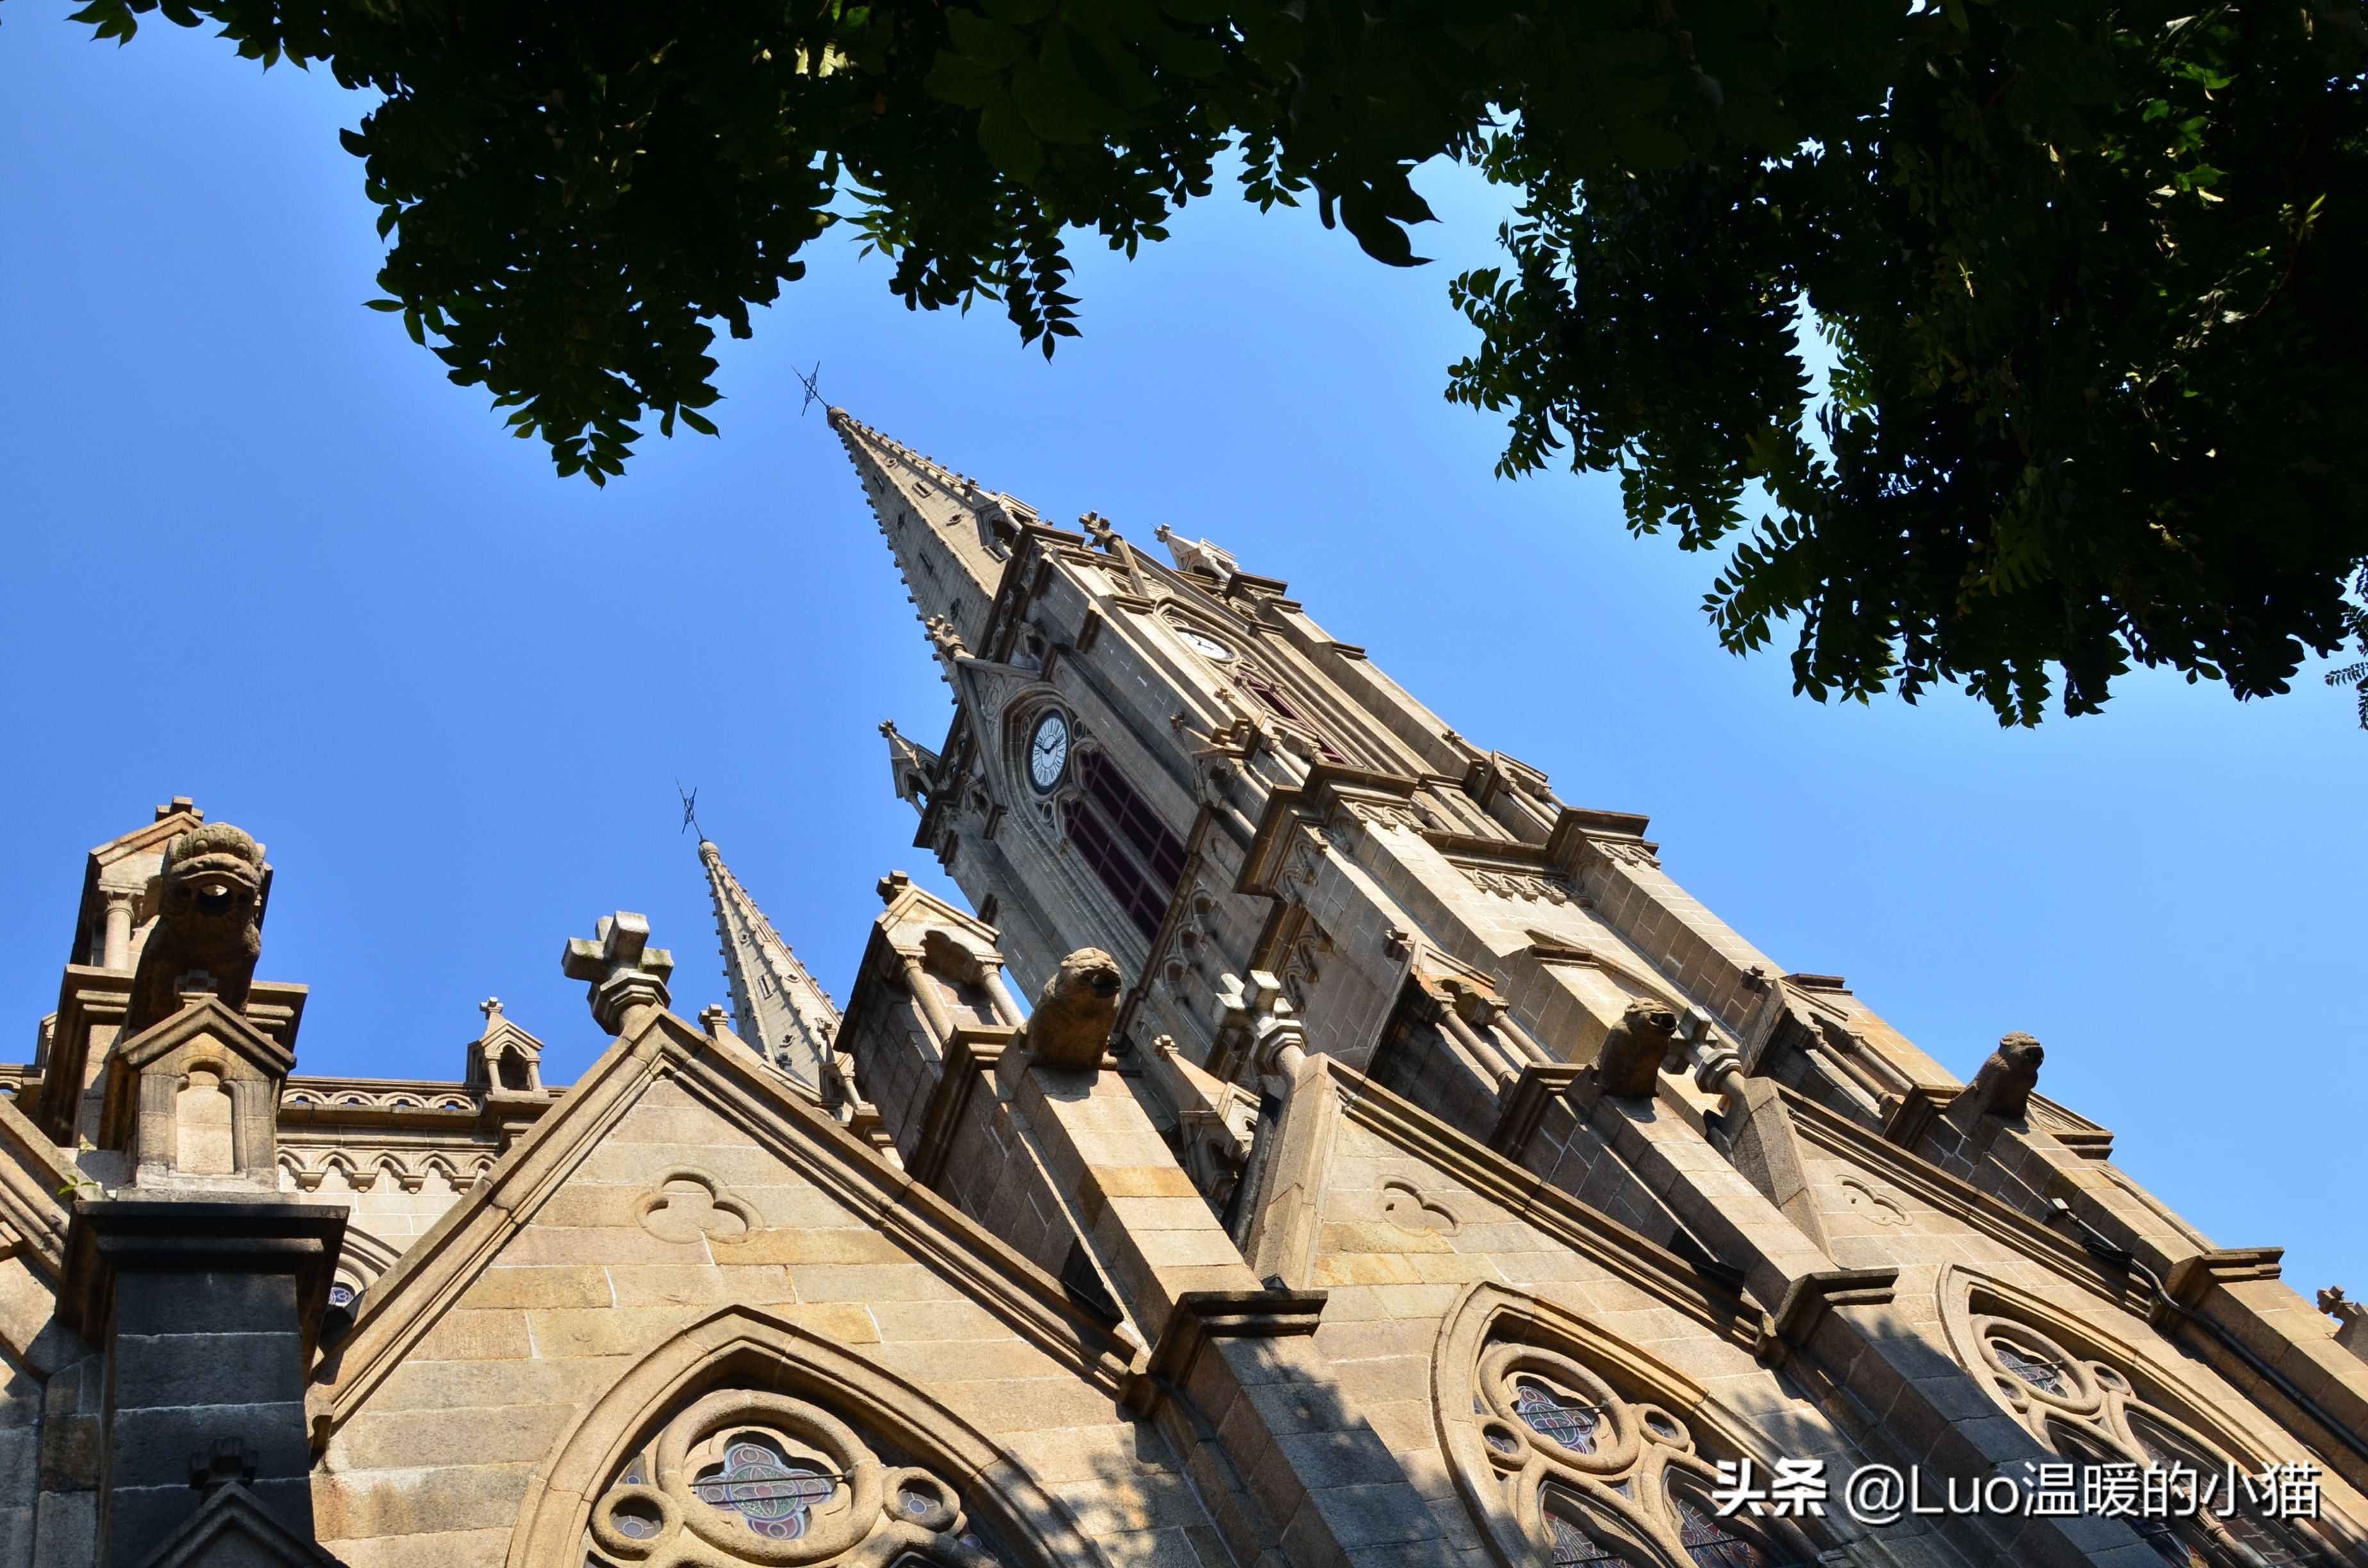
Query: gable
[(675, 1182)]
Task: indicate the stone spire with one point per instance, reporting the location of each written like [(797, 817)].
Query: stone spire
[(776, 1005), (910, 765), (950, 535)]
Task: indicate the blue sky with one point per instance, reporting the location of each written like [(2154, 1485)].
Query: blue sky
[(259, 551)]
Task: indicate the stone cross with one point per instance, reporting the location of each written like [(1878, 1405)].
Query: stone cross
[(492, 1007), (627, 976)]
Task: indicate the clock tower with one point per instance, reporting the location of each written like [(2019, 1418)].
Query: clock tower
[(1158, 751)]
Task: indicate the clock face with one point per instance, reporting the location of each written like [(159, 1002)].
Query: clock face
[(1048, 752), (1207, 647)]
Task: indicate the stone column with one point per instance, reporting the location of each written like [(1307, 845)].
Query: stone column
[(117, 953), (206, 1312)]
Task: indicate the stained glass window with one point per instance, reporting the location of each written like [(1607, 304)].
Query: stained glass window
[(1573, 1547), (2038, 1373), (772, 1491), (1131, 814), (1711, 1542), (1284, 708), (1564, 1421), (2168, 1544), (1145, 905)]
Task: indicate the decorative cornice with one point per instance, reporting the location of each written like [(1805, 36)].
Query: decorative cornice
[(272, 1236), (1328, 787)]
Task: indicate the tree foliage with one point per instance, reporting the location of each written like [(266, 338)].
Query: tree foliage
[(2086, 270)]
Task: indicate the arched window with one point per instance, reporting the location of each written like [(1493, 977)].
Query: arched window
[(2093, 1403), (1284, 708), (1162, 852), (1134, 853), (1613, 1480), (741, 1469)]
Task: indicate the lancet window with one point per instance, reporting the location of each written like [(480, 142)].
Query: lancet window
[(1271, 697), (1594, 1477), (1133, 852), (2098, 1408), (748, 1477)]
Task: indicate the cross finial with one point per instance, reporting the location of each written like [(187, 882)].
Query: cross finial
[(814, 393), (627, 976), (492, 1007), (690, 810)]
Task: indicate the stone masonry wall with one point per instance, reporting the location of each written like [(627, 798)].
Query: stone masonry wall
[(430, 1471)]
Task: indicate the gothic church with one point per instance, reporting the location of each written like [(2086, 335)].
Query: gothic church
[(1390, 1166)]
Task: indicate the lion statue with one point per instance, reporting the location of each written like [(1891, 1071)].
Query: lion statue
[(208, 919), (2003, 1085), (1630, 1060), (1075, 1012)]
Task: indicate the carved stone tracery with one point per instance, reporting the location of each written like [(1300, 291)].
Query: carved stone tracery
[(2097, 1402), (744, 1476), (1588, 1472), (1567, 1461)]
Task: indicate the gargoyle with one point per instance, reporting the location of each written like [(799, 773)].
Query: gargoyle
[(1630, 1060), (2003, 1085), (1075, 1012), (210, 919)]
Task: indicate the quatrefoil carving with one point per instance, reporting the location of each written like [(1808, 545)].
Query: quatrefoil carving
[(691, 1205), (1403, 1205)]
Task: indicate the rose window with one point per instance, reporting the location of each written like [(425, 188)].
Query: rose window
[(765, 1487), (2038, 1373), (742, 1477), (1562, 1420)]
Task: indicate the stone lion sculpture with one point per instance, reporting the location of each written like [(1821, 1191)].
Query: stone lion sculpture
[(2003, 1085), (1075, 1012), (209, 918), (1630, 1060)]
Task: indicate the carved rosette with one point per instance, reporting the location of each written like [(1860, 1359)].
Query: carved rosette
[(745, 1477)]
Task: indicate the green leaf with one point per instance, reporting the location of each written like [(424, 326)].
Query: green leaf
[(957, 80), (990, 44), (1008, 143)]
